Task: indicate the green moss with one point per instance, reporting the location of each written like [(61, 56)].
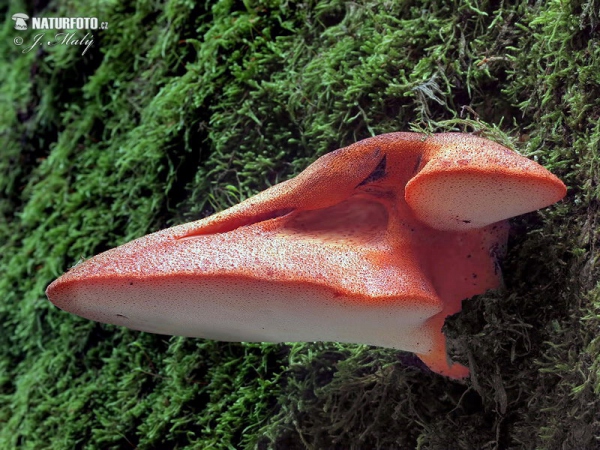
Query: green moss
[(184, 108)]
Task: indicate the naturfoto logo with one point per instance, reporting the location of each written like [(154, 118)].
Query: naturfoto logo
[(57, 23)]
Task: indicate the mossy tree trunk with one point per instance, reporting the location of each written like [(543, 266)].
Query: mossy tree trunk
[(182, 108)]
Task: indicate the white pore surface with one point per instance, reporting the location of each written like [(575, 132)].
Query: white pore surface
[(460, 201), (254, 311)]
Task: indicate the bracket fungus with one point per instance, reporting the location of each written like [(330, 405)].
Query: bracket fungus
[(376, 243)]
